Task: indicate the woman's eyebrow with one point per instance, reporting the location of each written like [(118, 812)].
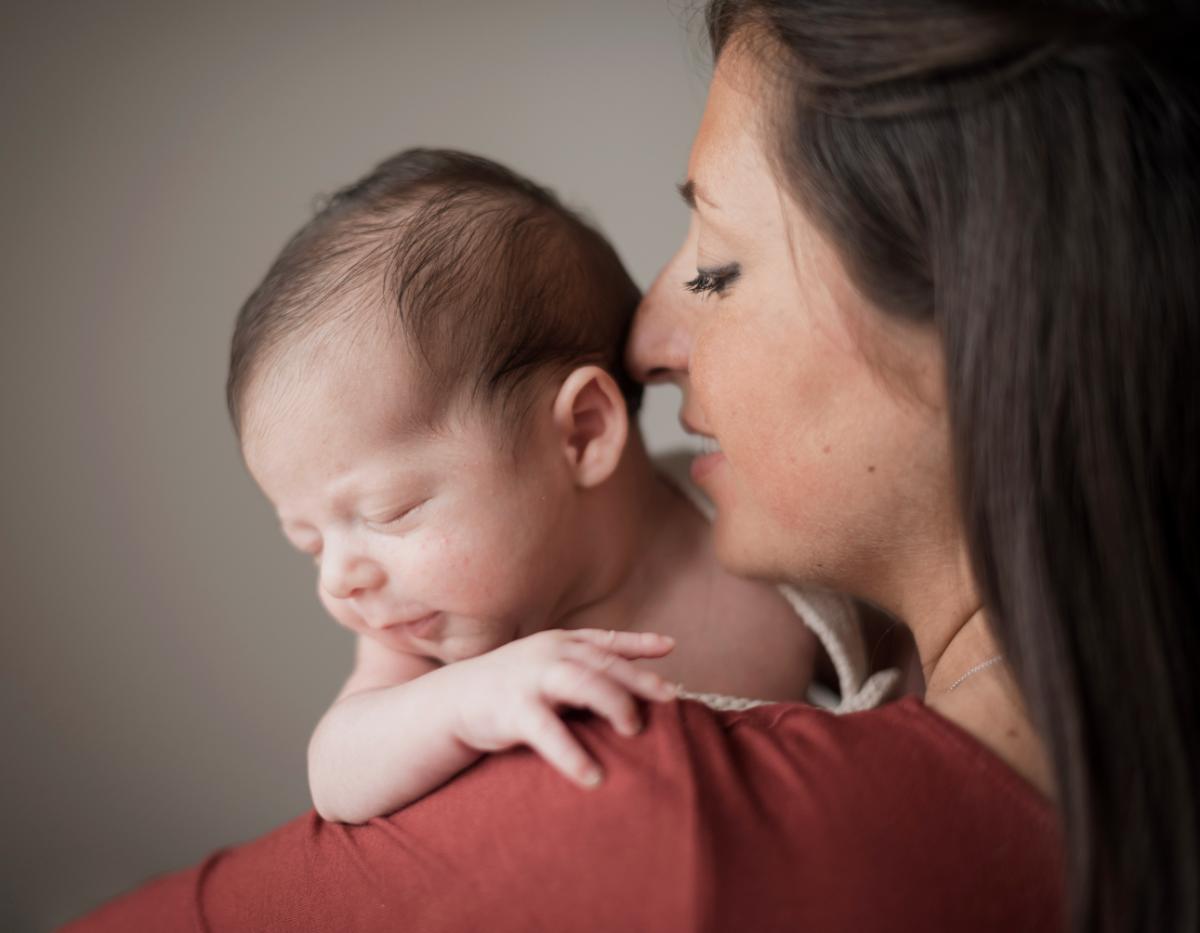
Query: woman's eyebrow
[(691, 193)]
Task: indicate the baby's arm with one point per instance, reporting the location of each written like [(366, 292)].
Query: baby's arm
[(403, 726), (373, 743)]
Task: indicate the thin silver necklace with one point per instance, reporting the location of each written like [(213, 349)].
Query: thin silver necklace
[(982, 665)]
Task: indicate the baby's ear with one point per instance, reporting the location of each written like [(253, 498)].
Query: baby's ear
[(592, 424)]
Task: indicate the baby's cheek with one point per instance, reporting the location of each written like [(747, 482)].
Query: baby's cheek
[(496, 573), (447, 568)]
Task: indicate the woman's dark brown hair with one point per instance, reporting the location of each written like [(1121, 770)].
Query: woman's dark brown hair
[(1026, 177)]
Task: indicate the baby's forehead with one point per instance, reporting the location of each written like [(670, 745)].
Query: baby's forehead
[(360, 379), (308, 422)]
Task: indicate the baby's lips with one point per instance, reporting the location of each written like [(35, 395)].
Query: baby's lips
[(414, 619)]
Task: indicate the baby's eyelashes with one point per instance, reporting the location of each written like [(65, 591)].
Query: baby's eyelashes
[(390, 519)]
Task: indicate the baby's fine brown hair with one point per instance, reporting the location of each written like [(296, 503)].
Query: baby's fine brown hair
[(487, 279)]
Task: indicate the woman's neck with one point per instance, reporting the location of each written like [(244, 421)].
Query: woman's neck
[(936, 598), (928, 585), (971, 683)]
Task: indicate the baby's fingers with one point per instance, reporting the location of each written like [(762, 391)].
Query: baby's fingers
[(546, 734), (574, 684), (643, 683), (627, 644)]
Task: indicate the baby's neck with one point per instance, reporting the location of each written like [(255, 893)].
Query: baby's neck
[(643, 532), (655, 568)]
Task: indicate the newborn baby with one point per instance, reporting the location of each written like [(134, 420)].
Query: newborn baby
[(427, 385)]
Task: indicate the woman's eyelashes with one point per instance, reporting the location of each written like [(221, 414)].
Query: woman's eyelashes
[(713, 281)]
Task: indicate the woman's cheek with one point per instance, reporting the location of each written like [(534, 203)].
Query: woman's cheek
[(768, 410), (728, 381)]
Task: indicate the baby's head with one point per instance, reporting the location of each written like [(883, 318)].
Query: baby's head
[(481, 277), (425, 384)]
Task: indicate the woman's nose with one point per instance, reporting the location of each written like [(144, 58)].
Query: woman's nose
[(660, 341), (345, 573)]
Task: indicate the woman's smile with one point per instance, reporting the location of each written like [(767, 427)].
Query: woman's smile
[(709, 458)]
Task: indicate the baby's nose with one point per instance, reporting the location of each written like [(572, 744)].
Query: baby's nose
[(344, 575)]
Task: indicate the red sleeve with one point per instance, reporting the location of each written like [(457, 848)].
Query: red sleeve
[(781, 817)]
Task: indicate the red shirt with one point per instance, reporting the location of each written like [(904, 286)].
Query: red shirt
[(782, 817)]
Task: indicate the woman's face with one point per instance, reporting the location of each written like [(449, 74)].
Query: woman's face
[(829, 417)]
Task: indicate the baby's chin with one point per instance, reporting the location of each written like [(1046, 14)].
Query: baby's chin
[(455, 646), (454, 638)]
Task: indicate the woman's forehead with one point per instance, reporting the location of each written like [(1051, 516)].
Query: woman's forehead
[(728, 169)]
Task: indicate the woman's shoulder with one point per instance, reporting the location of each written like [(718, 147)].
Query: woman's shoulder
[(781, 817), (892, 818), (900, 748)]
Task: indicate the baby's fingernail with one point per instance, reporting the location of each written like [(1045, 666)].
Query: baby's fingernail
[(662, 686), (592, 777)]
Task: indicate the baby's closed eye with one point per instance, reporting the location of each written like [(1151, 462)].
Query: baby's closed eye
[(388, 519)]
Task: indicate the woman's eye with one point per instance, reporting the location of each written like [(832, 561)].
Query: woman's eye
[(713, 281)]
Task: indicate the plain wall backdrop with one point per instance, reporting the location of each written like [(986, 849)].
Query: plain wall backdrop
[(164, 656)]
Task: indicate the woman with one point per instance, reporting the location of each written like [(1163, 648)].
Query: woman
[(939, 312), (1012, 198)]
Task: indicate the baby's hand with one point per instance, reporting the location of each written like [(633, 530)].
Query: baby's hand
[(510, 696)]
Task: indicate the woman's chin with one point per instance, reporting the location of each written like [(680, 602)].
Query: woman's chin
[(734, 552), (739, 536), (745, 546)]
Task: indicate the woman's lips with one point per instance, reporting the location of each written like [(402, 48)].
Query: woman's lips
[(704, 464)]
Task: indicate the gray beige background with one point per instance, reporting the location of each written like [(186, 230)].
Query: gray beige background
[(164, 658)]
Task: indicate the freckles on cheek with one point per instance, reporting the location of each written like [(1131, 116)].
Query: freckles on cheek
[(438, 556), (450, 565), (736, 393), (775, 427), (714, 383)]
